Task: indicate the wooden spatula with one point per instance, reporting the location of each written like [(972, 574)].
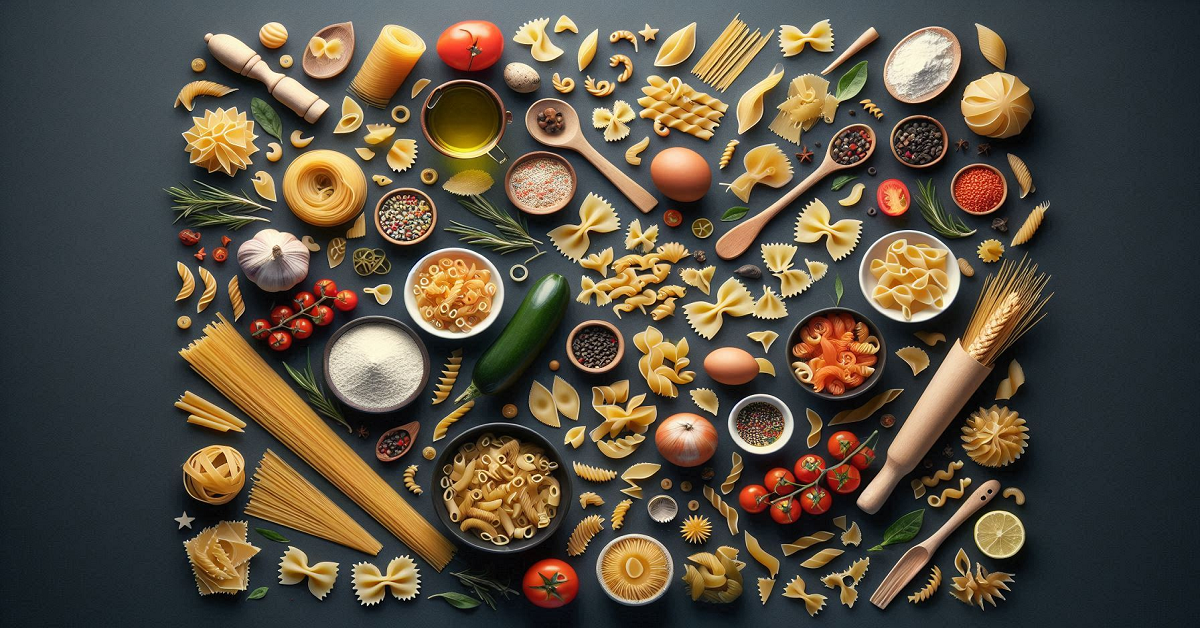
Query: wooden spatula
[(915, 559)]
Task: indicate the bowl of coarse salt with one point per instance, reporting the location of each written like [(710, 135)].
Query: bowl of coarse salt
[(376, 364)]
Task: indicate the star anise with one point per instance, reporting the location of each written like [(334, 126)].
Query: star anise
[(962, 145), (984, 149), (805, 156), (363, 432)]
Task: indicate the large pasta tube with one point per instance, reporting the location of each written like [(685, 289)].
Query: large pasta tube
[(956, 380)]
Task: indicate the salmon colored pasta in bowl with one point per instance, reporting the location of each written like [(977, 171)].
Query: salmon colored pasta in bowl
[(836, 353)]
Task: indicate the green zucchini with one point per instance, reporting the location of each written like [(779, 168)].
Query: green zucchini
[(522, 339)]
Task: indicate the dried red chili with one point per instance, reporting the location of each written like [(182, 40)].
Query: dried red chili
[(200, 254), (189, 237)]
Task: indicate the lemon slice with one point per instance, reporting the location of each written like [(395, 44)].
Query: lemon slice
[(702, 228), (999, 534)]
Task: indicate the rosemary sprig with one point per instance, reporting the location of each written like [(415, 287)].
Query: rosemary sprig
[(485, 586), (512, 234), (210, 205), (316, 393), (937, 217)]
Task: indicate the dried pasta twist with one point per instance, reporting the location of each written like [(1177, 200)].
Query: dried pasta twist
[(599, 89), (189, 281), (410, 480), (562, 85), (583, 534), (728, 512), (735, 473), (806, 542), (974, 588), (931, 587), (619, 513), (727, 154), (590, 498), (1031, 224), (593, 474), (871, 108), (714, 578), (235, 298), (626, 35), (445, 383), (821, 558), (919, 485), (443, 426), (627, 66), (210, 290), (937, 501)]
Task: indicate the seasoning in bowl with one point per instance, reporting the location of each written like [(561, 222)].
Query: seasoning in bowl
[(978, 189), (396, 442), (850, 146), (759, 424), (918, 142), (405, 217), (595, 346), (376, 366), (541, 184), (921, 65)]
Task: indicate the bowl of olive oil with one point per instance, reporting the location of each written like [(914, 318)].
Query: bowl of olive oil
[(464, 119)]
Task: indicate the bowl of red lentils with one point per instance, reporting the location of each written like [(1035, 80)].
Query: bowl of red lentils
[(761, 424), (540, 182), (978, 189), (405, 216)]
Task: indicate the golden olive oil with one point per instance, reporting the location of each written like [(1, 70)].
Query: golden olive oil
[(465, 121)]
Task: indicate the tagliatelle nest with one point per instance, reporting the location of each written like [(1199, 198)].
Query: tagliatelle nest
[(995, 437)]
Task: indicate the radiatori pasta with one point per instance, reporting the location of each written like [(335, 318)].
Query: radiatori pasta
[(453, 295), (500, 489)]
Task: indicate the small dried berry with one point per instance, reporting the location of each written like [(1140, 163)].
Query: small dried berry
[(699, 256), (550, 120), (749, 271)]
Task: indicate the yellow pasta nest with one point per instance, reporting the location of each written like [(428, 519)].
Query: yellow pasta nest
[(221, 140), (714, 578), (215, 474), (634, 569), (995, 437), (976, 587), (696, 529)]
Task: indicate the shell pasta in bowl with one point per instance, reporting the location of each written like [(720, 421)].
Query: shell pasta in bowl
[(501, 488), (909, 276)]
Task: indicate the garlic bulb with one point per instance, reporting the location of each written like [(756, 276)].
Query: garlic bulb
[(275, 261)]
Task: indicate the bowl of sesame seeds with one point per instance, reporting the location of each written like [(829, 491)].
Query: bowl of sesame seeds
[(761, 424), (540, 182), (405, 216)]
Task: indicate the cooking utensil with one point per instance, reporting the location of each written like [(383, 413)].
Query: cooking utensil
[(867, 37), (453, 128), (237, 56), (955, 51), (915, 559), (741, 237), (324, 67), (571, 136)]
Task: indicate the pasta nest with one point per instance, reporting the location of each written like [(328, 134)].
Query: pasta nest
[(995, 437), (221, 140)]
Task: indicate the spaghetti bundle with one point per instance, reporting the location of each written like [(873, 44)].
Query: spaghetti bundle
[(281, 495), (224, 358), (391, 59), (324, 188)]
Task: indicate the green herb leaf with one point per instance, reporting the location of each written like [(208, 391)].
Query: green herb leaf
[(266, 118), (841, 181), (937, 217), (271, 535), (257, 594), (838, 290), (316, 393), (852, 81), (903, 530), (734, 213), (457, 600)]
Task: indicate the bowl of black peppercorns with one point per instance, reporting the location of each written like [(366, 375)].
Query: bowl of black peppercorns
[(919, 141), (595, 346)]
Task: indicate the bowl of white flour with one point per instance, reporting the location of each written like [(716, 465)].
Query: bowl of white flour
[(376, 364)]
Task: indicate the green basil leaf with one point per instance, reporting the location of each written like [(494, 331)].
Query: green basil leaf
[(734, 213), (457, 600), (902, 530), (271, 535), (258, 594), (852, 81), (841, 181), (266, 118), (838, 290)]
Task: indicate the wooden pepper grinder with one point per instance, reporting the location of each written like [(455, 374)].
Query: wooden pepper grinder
[(240, 58)]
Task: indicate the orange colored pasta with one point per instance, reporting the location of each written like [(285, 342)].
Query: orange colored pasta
[(453, 295), (836, 353)]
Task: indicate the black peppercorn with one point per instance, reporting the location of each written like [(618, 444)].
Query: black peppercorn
[(594, 347)]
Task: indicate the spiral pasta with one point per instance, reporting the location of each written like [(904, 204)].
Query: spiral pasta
[(593, 474), (443, 426), (210, 290), (410, 480), (675, 105), (714, 578), (620, 511), (937, 501), (930, 481), (324, 188), (806, 542), (452, 295), (870, 107), (583, 534), (728, 512), (235, 297), (626, 66), (835, 354), (727, 154), (187, 95), (821, 558), (449, 376), (1031, 224), (189, 281), (735, 473), (590, 498), (931, 587)]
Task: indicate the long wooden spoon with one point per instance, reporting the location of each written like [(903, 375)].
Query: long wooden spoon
[(742, 237), (571, 136)]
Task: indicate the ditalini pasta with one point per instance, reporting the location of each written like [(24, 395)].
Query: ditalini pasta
[(792, 40), (620, 511), (995, 436), (294, 569), (596, 215), (840, 237), (449, 375), (582, 535), (1032, 222), (806, 542), (402, 580), (220, 558), (410, 480), (1009, 385), (443, 426), (813, 602), (728, 512), (735, 473), (533, 34), (210, 290), (847, 580), (931, 587)]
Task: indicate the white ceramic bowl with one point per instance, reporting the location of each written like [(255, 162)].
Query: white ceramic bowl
[(410, 301), (867, 281), (789, 424), (621, 600)]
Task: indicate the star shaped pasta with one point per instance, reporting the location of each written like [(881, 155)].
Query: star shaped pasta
[(814, 224), (614, 121)]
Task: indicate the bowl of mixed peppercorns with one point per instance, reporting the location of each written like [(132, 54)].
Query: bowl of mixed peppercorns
[(919, 141), (595, 346), (405, 216)]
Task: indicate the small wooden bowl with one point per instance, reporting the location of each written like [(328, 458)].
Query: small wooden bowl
[(955, 51), (919, 118), (376, 320), (539, 154), (596, 323), (397, 192), (1003, 181), (324, 67), (794, 338), (410, 428)]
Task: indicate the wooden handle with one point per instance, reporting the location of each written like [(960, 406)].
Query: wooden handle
[(867, 37), (980, 498), (636, 194), (237, 56), (742, 237)]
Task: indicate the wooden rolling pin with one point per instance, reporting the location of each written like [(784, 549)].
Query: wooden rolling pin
[(240, 58)]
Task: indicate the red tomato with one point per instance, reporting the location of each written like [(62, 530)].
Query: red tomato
[(302, 300), (863, 459), (815, 500), (550, 583), (808, 468), (322, 315), (325, 288), (786, 511), (280, 340), (893, 197), (281, 312), (673, 218), (259, 327), (841, 444), (754, 498), (301, 328), (345, 300), (780, 481), (471, 45), (844, 479)]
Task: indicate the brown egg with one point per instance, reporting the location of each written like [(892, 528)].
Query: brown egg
[(730, 365), (681, 174)]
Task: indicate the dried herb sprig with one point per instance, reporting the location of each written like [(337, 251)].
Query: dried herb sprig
[(512, 234), (316, 393), (937, 217), (211, 206), (485, 585)]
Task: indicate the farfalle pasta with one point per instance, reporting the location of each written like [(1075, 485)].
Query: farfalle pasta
[(813, 602), (766, 164), (402, 580), (640, 239), (911, 278), (596, 215), (220, 558), (714, 577), (792, 40), (614, 121), (294, 569), (598, 262), (769, 306), (836, 353), (733, 299), (699, 278), (847, 580), (402, 155), (808, 101), (533, 34), (814, 223)]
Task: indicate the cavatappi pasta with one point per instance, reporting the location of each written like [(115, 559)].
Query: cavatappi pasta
[(500, 489), (454, 295)]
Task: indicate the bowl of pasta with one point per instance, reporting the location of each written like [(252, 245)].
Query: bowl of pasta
[(836, 353), (520, 500), (443, 310), (909, 276)]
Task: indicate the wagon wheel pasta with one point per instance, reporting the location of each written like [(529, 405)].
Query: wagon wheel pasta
[(453, 295)]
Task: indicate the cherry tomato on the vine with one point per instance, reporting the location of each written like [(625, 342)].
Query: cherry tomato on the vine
[(280, 313), (280, 340), (863, 458), (844, 479), (302, 300), (808, 468), (841, 444), (754, 498), (780, 481), (325, 288), (322, 315), (471, 45), (301, 328), (550, 583), (345, 300), (816, 500), (259, 327), (786, 511)]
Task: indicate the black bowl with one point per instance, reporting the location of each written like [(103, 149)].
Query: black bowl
[(376, 320), (794, 338), (525, 435)]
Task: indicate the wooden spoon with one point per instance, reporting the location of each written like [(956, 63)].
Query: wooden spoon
[(571, 136), (742, 237), (324, 67)]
